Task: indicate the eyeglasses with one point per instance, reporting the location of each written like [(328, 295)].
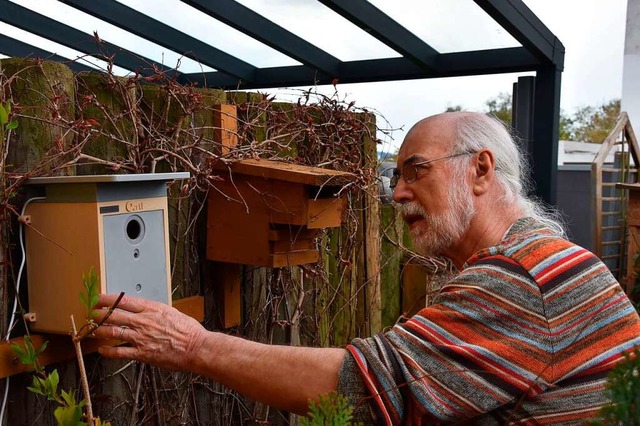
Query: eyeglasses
[(410, 171)]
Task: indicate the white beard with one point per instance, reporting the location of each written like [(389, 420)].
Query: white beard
[(437, 233)]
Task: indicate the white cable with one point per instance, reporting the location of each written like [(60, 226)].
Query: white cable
[(15, 301)]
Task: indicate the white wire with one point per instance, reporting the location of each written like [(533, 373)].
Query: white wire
[(15, 302)]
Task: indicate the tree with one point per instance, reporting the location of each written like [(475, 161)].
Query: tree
[(500, 107), (453, 108), (587, 124), (593, 124), (566, 123)]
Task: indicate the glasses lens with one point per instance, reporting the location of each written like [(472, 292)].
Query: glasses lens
[(395, 177), (409, 172)]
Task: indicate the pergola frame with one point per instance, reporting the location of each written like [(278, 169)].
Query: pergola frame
[(541, 52)]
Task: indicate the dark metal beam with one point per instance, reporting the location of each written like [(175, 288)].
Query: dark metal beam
[(255, 25), (46, 27), (381, 26), (545, 132), (481, 62), (494, 61), (515, 17), (19, 49), (155, 31), (522, 113)]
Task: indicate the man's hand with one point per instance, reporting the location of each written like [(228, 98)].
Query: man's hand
[(157, 333), (282, 376)]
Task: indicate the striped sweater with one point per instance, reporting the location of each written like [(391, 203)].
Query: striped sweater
[(525, 334)]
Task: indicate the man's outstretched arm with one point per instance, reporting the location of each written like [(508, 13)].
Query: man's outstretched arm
[(281, 376)]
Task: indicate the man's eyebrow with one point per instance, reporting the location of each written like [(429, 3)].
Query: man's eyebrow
[(413, 159)]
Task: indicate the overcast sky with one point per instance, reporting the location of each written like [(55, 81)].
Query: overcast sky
[(592, 32)]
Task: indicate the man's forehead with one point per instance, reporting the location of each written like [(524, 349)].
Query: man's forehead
[(428, 138)]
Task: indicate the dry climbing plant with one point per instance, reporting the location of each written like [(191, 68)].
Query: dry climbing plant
[(144, 124)]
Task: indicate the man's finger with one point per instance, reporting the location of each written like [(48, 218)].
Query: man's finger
[(123, 352), (114, 332), (127, 303)]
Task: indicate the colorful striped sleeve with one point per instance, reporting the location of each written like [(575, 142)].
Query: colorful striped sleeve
[(481, 346)]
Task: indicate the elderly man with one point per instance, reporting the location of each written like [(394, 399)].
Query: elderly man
[(525, 333)]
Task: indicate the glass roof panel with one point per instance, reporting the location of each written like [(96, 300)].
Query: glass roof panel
[(57, 49), (88, 24), (320, 26), (434, 21), (211, 31), (438, 23)]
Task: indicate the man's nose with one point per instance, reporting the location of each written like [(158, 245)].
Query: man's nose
[(402, 193)]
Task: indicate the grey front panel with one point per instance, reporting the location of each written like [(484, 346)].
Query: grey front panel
[(134, 253)]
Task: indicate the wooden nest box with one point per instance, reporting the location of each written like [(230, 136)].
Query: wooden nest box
[(115, 224), (268, 213)]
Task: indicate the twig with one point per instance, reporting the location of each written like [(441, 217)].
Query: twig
[(83, 372), (156, 399), (28, 224), (136, 397), (90, 327)]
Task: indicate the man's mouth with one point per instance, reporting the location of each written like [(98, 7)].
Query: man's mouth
[(410, 219)]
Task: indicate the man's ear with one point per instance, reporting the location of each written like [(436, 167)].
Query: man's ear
[(484, 172)]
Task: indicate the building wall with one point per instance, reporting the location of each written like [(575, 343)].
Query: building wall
[(631, 67), (574, 201)]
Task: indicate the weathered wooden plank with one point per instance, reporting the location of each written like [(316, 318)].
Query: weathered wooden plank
[(225, 131), (44, 100), (108, 105), (228, 289), (372, 236), (288, 172), (391, 256)]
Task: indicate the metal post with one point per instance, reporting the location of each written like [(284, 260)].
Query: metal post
[(522, 113), (546, 131)]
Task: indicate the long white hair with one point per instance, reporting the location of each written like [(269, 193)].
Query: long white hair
[(475, 131)]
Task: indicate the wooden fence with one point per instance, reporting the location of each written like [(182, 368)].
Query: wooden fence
[(97, 123)]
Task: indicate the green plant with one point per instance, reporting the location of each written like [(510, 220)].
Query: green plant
[(623, 387), (5, 124), (69, 410), (331, 409)]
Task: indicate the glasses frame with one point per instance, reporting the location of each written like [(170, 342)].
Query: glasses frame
[(397, 174)]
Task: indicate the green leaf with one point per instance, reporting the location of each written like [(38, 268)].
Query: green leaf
[(7, 106), (27, 356), (42, 348), (69, 416), (69, 398), (92, 292), (28, 346), (18, 351), (54, 379), (4, 115), (45, 386), (36, 386), (12, 125), (34, 390)]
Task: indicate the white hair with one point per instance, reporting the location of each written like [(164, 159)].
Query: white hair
[(476, 131)]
